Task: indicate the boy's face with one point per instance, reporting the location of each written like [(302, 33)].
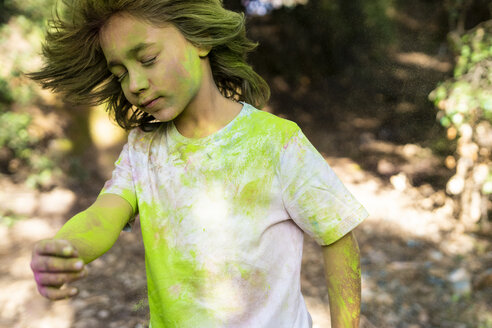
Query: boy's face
[(159, 70)]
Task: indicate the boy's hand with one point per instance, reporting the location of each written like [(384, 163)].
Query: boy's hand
[(54, 263)]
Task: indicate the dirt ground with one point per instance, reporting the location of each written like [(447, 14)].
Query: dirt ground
[(419, 268)]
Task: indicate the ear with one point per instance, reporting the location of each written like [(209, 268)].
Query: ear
[(203, 51)]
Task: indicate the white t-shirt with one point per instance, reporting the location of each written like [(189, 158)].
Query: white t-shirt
[(223, 216)]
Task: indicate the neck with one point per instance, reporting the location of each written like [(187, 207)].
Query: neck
[(209, 111)]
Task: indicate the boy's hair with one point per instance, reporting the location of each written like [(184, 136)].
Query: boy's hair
[(76, 67)]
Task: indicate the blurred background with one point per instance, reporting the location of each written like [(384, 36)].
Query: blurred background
[(396, 95)]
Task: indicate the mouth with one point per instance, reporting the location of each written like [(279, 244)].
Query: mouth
[(149, 103)]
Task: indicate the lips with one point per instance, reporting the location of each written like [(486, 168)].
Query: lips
[(147, 104)]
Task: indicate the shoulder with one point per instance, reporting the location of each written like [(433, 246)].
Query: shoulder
[(270, 125)]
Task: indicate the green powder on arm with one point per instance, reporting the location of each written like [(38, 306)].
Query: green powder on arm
[(93, 231)]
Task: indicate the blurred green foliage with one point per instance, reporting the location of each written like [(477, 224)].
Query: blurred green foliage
[(474, 48), (465, 103), (24, 149), (14, 134), (466, 99), (35, 10), (5, 92)]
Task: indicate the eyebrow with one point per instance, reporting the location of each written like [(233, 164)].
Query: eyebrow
[(132, 51)]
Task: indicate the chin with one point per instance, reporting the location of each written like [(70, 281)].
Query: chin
[(166, 115)]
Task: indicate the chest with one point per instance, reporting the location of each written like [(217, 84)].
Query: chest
[(217, 180)]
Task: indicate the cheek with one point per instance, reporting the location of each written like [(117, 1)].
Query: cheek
[(126, 93), (190, 69)]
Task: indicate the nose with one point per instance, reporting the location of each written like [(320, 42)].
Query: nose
[(137, 81)]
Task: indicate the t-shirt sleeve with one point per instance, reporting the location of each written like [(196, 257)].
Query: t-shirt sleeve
[(313, 195), (122, 183)]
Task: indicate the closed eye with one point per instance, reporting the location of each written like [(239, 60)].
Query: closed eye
[(149, 61)]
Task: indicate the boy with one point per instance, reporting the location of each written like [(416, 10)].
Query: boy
[(224, 191)]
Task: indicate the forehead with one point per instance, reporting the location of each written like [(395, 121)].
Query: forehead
[(122, 33)]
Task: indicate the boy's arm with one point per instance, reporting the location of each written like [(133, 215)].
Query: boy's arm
[(342, 269), (86, 236), (94, 231)]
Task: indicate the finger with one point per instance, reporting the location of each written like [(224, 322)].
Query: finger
[(56, 264), (58, 279), (57, 247), (54, 293)]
